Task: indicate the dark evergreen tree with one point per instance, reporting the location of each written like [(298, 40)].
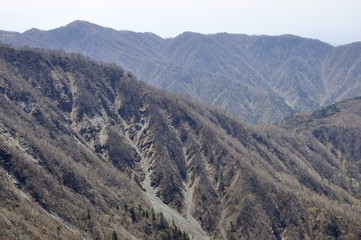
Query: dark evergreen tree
[(114, 236)]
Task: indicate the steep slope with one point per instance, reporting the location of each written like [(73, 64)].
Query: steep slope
[(87, 151), (342, 69), (292, 66), (256, 78), (337, 128), (137, 52), (64, 150), (215, 68)]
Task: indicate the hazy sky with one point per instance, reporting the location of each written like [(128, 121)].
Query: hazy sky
[(333, 21)]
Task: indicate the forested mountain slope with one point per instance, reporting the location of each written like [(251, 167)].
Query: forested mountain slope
[(89, 152)]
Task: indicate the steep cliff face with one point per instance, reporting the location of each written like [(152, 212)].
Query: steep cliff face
[(87, 151)]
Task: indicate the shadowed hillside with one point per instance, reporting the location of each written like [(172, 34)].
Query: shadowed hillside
[(89, 152)]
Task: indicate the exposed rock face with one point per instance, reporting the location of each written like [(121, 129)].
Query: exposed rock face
[(87, 151), (256, 78)]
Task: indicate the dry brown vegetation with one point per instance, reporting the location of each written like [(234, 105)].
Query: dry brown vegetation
[(87, 151)]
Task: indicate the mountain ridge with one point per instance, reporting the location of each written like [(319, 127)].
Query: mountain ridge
[(257, 78), (87, 151)]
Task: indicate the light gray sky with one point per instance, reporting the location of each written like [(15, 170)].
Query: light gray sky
[(332, 21)]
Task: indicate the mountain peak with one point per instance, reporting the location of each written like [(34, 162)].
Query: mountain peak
[(81, 24), (32, 30)]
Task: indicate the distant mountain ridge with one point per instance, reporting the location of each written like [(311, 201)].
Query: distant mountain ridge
[(257, 78)]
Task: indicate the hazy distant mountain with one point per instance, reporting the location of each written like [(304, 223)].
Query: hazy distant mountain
[(258, 78), (89, 152)]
